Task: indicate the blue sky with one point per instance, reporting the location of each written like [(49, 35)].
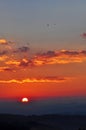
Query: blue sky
[(26, 21)]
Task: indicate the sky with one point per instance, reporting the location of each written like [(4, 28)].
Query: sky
[(42, 49)]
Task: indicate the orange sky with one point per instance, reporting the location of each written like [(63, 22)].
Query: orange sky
[(74, 87), (44, 74)]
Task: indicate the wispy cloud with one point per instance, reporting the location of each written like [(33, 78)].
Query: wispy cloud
[(20, 57), (37, 80), (60, 57), (13, 62), (10, 49), (21, 49), (5, 68), (23, 63)]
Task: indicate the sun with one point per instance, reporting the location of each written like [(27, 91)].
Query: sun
[(24, 100)]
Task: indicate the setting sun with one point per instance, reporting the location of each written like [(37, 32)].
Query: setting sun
[(25, 100)]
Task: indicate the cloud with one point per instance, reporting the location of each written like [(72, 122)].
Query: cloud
[(3, 41), (2, 69), (60, 57), (42, 59), (83, 35), (13, 62), (24, 62), (9, 50), (4, 52), (36, 80), (48, 54), (3, 58), (22, 49)]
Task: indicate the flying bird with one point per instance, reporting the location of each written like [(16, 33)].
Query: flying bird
[(48, 25)]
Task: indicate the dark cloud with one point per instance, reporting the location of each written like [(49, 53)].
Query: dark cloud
[(3, 52), (2, 69), (27, 62), (22, 49), (83, 35), (8, 69), (60, 57), (24, 63), (47, 54), (83, 52), (61, 52), (50, 53)]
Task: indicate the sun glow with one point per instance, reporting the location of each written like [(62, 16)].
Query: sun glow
[(24, 100)]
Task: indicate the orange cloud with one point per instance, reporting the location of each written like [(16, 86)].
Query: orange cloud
[(36, 80), (60, 57), (3, 58), (23, 62), (3, 41), (2, 69), (48, 58), (14, 62)]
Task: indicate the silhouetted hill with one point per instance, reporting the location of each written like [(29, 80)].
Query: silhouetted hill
[(44, 122)]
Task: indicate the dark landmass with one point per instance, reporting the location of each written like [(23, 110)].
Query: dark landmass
[(44, 122)]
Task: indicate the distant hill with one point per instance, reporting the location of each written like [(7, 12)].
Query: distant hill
[(43, 122)]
